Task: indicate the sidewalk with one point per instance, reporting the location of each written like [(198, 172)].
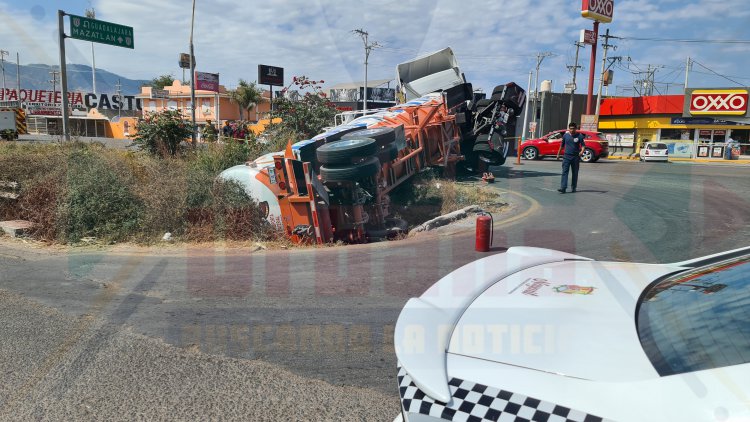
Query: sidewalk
[(743, 160)]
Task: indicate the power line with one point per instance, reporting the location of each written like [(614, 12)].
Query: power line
[(717, 74), (686, 40)]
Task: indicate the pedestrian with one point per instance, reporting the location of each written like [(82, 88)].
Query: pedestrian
[(573, 143), (227, 130)]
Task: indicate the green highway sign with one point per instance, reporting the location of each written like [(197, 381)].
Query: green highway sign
[(93, 30)]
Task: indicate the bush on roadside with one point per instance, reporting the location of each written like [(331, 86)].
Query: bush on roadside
[(160, 133), (74, 190)]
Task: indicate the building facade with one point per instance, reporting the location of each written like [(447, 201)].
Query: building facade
[(687, 123)]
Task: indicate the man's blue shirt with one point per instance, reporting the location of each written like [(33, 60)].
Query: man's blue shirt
[(573, 144)]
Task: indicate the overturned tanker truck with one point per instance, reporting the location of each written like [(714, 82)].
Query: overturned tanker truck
[(335, 186)]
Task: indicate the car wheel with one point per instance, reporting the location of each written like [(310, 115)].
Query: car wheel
[(588, 155), (344, 151), (382, 135), (352, 172), (530, 153)]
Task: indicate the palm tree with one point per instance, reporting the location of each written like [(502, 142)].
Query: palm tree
[(247, 95)]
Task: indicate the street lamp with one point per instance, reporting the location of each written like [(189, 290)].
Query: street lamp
[(192, 78), (3, 53)]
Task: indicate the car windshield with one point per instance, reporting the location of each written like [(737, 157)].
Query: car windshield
[(699, 319)]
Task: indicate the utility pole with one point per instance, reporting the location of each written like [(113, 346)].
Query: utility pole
[(91, 14), (539, 59), (574, 68), (592, 65), (53, 81), (18, 74), (687, 71), (3, 53), (63, 75), (525, 120), (605, 46), (368, 48), (118, 85), (193, 138)]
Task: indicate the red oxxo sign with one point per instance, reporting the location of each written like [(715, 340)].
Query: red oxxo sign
[(731, 102), (598, 10)]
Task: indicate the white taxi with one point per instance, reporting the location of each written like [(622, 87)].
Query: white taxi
[(539, 335)]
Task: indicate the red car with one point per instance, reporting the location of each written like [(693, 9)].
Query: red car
[(547, 146)]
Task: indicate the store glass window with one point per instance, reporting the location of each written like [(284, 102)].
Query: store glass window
[(675, 135)]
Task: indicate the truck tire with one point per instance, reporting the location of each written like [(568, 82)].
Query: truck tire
[(494, 157), (346, 150), (351, 172), (339, 135), (388, 154), (382, 135), (481, 104)]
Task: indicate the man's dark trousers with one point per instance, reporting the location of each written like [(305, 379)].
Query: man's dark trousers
[(570, 162)]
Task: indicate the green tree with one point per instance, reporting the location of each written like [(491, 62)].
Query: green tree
[(308, 111), (161, 81), (161, 133), (247, 95)]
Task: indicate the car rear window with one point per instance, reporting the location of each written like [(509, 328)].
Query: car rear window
[(699, 319), (658, 146)]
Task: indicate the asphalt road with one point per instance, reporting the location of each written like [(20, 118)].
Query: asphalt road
[(306, 334)]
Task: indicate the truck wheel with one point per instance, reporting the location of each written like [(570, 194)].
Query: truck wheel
[(484, 102), (494, 157), (588, 155), (382, 135), (530, 153), (344, 151), (388, 154), (352, 172)]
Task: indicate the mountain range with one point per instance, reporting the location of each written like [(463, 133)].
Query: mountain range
[(38, 76)]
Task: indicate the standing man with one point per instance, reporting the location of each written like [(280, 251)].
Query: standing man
[(573, 144)]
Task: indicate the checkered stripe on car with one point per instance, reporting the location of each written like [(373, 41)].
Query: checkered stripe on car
[(474, 402)]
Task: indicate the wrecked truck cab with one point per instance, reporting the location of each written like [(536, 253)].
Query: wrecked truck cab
[(432, 72), (336, 186)]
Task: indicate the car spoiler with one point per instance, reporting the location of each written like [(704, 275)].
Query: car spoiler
[(425, 325), (710, 259)]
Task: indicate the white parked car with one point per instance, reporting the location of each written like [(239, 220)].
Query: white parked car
[(539, 335), (654, 151)]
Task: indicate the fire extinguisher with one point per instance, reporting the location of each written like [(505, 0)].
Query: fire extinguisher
[(485, 225)]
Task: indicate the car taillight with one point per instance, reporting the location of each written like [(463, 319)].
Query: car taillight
[(646, 152), (282, 185), (278, 165)]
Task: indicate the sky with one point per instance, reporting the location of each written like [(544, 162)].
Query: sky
[(495, 41)]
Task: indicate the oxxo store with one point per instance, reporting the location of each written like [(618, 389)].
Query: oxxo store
[(699, 124)]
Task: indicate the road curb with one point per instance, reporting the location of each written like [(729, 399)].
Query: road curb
[(685, 160)]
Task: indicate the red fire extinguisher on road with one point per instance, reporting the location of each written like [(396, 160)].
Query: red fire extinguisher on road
[(485, 225)]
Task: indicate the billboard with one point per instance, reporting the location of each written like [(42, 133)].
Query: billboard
[(598, 10), (587, 37), (716, 102), (270, 75), (207, 81)]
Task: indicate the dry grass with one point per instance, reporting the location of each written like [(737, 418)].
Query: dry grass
[(72, 191), (429, 196)]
